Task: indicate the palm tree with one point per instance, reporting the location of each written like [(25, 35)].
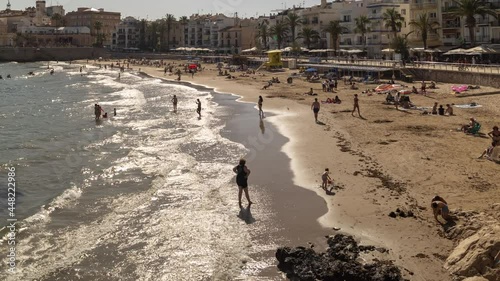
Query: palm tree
[(263, 33), (309, 35), (293, 20), (362, 28), (335, 29), (183, 21), (169, 21), (393, 20), (423, 26), (97, 28), (142, 35), (280, 32), (57, 18), (469, 9), (400, 45)]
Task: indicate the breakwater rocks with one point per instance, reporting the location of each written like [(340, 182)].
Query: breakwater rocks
[(339, 262)]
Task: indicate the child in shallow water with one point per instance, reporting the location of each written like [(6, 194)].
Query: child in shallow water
[(326, 180)]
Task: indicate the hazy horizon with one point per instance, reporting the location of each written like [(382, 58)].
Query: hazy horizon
[(153, 9)]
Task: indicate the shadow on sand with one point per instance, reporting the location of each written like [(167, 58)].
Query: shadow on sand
[(246, 214)]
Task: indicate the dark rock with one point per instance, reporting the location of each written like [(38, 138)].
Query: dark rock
[(339, 262), (410, 214), (402, 214), (392, 215)]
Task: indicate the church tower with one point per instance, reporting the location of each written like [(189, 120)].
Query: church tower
[(8, 5)]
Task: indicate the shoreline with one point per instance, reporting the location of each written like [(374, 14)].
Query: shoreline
[(376, 179)]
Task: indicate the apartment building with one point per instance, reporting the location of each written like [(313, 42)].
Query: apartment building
[(127, 34), (239, 37), (89, 16), (202, 31)]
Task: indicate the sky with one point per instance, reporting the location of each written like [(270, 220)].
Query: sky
[(154, 9)]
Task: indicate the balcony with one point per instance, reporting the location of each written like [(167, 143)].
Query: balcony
[(451, 25)]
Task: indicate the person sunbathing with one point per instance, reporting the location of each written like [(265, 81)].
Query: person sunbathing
[(432, 85), (310, 93), (468, 127), (449, 110), (353, 86), (337, 100), (389, 98), (414, 90)]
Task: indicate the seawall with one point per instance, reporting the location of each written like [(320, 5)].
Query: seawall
[(458, 77)]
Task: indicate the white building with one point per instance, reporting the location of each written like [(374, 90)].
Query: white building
[(202, 31), (127, 34)]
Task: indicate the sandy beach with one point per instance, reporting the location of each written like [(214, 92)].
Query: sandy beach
[(387, 160)]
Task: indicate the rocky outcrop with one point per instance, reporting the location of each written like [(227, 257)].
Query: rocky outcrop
[(475, 254), (339, 262)]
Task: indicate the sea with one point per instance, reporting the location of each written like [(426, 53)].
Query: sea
[(147, 194)]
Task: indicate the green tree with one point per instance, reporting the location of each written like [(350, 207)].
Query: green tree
[(143, 25), (169, 22), (469, 9), (293, 20), (309, 35), (393, 20), (279, 31), (184, 21), (97, 29), (423, 26), (335, 29), (263, 33), (362, 28), (57, 19), (400, 45)]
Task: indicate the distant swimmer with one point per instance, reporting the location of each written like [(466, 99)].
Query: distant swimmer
[(1, 77), (242, 173), (119, 75), (31, 73), (198, 110), (105, 115), (174, 102), (8, 76), (52, 71), (114, 111)]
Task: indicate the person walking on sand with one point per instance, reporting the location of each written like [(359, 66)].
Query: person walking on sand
[(259, 103), (198, 110), (315, 108), (356, 105), (242, 173), (325, 177), (174, 102)]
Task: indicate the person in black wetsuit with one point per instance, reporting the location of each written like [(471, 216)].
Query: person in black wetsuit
[(242, 173)]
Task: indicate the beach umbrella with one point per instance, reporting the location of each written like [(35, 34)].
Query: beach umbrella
[(249, 50), (388, 50), (458, 51), (354, 51), (311, 70), (193, 66), (479, 50)]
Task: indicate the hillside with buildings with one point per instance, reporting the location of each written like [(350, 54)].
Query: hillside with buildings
[(367, 25)]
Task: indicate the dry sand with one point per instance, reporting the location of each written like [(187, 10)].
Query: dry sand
[(386, 160)]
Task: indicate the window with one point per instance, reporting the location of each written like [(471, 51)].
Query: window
[(403, 11), (432, 15), (374, 11), (347, 18)]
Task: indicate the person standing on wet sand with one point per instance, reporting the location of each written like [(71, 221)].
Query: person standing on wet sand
[(198, 110), (242, 173), (259, 103), (174, 102), (315, 106), (356, 105)]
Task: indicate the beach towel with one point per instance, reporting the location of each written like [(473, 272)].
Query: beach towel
[(468, 106), (459, 88)]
